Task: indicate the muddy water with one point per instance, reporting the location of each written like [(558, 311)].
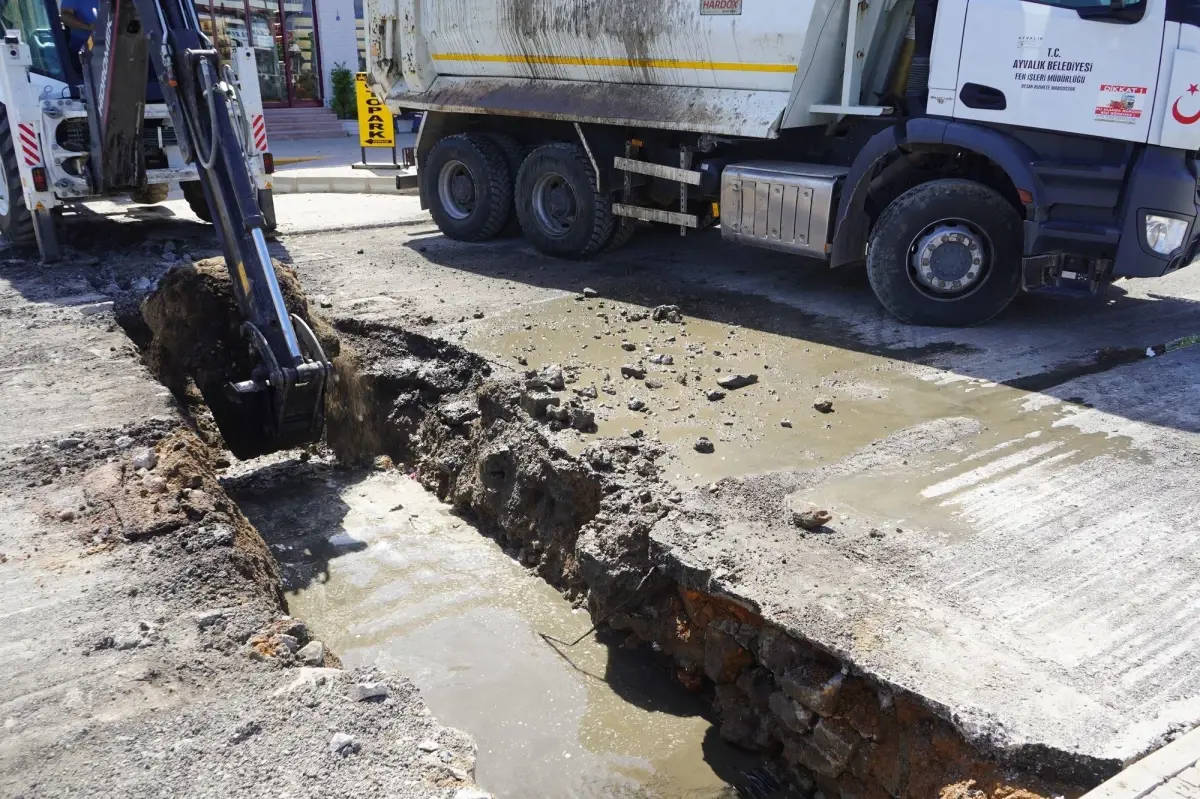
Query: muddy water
[(387, 576), (771, 424)]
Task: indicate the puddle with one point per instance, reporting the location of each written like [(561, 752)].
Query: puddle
[(387, 576), (872, 395)]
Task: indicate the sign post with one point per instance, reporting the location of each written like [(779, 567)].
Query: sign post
[(375, 125)]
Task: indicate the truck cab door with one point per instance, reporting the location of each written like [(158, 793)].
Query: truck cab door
[(1072, 66)]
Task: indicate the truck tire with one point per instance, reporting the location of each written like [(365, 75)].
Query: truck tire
[(467, 185), (514, 155), (562, 212), (193, 192), (16, 221), (946, 253)]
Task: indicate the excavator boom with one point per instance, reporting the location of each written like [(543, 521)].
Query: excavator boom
[(281, 403)]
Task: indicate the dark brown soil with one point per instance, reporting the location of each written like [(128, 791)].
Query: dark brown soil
[(196, 339)]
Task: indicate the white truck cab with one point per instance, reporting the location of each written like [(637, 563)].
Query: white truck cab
[(965, 150)]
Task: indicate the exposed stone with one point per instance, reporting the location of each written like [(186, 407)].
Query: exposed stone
[(736, 381), (535, 403), (740, 724), (68, 443), (633, 371), (836, 741), (824, 405), (312, 653), (590, 293), (552, 377), (628, 346), (785, 422), (368, 690), (666, 313), (342, 744), (123, 442), (289, 642), (811, 518), (791, 714), (145, 458), (714, 395), (815, 686), (583, 419), (429, 745), (635, 404), (724, 657), (703, 446), (587, 392), (459, 412), (662, 359)]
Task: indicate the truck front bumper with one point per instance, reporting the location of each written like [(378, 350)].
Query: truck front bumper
[(1161, 201)]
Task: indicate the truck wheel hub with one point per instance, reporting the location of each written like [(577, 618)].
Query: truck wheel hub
[(949, 257), (554, 204), (456, 189)]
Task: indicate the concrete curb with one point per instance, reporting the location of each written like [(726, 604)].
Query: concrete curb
[(1152, 771), (283, 183)]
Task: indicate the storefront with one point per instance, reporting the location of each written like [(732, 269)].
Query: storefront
[(285, 38)]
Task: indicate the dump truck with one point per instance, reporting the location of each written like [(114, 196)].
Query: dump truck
[(964, 151)]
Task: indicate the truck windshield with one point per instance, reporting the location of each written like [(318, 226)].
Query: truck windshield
[(32, 20)]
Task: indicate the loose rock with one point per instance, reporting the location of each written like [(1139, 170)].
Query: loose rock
[(732, 382), (635, 404), (824, 405), (703, 445), (632, 371), (145, 459), (811, 519), (785, 422), (590, 293), (662, 359), (342, 744), (715, 396), (667, 313), (628, 346), (368, 690)]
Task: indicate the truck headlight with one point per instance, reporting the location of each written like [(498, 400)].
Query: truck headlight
[(1165, 234)]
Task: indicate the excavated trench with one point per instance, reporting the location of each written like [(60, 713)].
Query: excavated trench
[(490, 444)]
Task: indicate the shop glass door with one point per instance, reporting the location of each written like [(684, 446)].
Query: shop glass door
[(285, 47)]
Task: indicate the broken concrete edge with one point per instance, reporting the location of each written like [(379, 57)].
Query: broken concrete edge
[(582, 522), (1152, 771)]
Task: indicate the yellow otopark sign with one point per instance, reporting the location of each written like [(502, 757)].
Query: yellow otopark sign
[(375, 126)]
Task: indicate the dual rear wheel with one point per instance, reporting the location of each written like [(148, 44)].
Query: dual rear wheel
[(477, 184)]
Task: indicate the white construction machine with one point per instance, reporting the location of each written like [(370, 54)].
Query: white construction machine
[(50, 145), (965, 150)]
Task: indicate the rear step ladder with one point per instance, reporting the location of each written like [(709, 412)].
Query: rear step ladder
[(684, 175)]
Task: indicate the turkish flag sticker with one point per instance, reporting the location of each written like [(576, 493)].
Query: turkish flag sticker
[(1180, 117)]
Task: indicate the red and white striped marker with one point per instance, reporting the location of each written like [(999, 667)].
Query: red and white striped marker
[(259, 126), (29, 143)]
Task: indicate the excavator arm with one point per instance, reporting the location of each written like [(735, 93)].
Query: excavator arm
[(280, 404)]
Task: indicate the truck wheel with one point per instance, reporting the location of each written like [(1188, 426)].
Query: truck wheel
[(946, 253), (193, 192), (562, 212), (467, 185), (16, 222)]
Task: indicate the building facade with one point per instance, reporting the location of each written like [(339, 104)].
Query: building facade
[(297, 43)]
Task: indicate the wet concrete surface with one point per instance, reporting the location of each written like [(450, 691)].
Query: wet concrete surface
[(388, 577)]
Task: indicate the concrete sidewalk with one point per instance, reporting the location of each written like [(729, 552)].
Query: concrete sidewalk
[(326, 166), (1172, 772)]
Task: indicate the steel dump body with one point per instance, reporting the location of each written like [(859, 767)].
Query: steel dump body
[(718, 66)]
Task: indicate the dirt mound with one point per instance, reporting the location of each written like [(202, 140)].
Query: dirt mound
[(196, 337)]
